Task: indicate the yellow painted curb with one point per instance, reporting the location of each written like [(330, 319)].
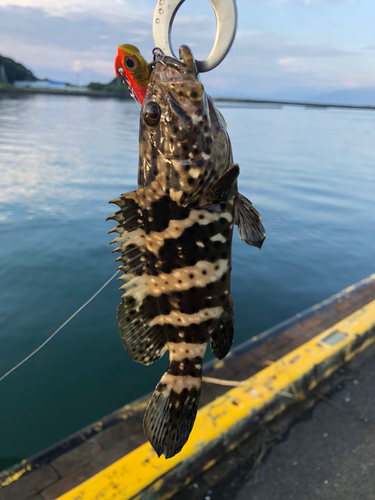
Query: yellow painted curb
[(142, 469)]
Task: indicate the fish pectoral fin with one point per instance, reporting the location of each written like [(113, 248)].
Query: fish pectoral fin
[(170, 416), (249, 222), (222, 187), (222, 336)]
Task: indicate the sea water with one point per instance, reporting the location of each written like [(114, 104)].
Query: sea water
[(309, 172)]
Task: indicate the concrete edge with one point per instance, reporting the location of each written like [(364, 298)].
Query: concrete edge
[(227, 421)]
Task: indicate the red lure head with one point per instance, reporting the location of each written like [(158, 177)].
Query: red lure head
[(130, 64)]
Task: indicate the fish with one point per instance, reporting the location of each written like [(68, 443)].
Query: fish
[(175, 240), (135, 70)]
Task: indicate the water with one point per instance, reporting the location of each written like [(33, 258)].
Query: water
[(310, 173)]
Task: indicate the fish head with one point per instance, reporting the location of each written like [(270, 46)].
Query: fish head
[(176, 132), (130, 64)]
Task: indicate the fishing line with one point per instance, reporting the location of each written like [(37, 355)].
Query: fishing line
[(57, 331)]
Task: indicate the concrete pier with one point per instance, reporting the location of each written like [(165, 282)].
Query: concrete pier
[(280, 376)]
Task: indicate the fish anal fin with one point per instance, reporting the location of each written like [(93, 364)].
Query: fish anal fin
[(222, 336), (169, 418), (249, 222), (143, 343)]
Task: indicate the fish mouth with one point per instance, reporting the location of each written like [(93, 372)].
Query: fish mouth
[(179, 79), (185, 62), (168, 61)]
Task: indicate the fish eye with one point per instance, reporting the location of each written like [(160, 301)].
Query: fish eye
[(129, 63), (152, 114)]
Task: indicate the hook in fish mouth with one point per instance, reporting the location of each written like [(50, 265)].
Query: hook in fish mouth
[(122, 74), (168, 61), (158, 55)]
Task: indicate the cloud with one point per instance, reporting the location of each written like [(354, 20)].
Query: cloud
[(282, 60), (37, 57), (191, 20), (267, 62), (60, 39), (141, 32), (220, 83), (68, 7), (266, 44), (306, 2), (40, 38), (317, 2), (356, 81), (292, 64)]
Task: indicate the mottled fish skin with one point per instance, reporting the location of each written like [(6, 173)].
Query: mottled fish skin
[(190, 147), (175, 238)]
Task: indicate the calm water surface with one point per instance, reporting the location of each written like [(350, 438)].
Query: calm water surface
[(310, 173)]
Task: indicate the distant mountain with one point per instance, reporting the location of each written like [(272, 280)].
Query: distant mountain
[(16, 71), (292, 94), (356, 97)]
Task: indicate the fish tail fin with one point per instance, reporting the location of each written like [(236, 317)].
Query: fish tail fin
[(172, 409)]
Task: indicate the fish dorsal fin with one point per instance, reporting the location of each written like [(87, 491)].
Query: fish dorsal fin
[(222, 336), (249, 222), (143, 342)]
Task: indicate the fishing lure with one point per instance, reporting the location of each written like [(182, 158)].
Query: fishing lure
[(130, 64)]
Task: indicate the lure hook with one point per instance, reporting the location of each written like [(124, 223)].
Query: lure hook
[(226, 27)]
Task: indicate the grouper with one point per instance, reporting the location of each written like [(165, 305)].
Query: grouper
[(175, 240)]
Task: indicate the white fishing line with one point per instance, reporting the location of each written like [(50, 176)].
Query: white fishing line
[(57, 331)]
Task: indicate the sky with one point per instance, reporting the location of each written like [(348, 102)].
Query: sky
[(283, 48)]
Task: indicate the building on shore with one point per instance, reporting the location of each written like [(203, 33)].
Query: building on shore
[(47, 84)]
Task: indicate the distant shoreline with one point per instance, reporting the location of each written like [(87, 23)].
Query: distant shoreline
[(292, 103), (89, 93), (121, 95)]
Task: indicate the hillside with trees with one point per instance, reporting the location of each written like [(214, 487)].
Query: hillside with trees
[(11, 71), (16, 71), (115, 85)]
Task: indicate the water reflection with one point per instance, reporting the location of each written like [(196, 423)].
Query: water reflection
[(54, 157), (310, 175)]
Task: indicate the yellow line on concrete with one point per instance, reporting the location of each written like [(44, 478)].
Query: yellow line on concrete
[(16, 475), (130, 475)]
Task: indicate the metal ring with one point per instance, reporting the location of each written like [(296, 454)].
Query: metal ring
[(226, 27)]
